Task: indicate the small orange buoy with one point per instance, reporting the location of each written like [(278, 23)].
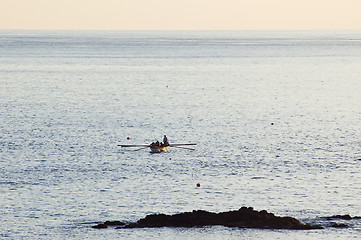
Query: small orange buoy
[(128, 138), (198, 184)]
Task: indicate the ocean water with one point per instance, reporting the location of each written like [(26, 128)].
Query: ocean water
[(275, 115)]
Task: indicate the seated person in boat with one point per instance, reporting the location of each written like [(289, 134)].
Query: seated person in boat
[(165, 141), (154, 144)]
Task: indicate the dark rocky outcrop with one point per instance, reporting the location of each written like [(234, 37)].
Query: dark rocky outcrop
[(338, 225), (109, 223), (242, 218), (100, 225), (114, 223), (338, 221), (343, 217), (341, 221)]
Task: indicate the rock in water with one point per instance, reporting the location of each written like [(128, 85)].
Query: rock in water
[(242, 218), (108, 223), (101, 225), (344, 217)]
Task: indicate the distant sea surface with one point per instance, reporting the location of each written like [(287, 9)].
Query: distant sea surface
[(276, 116)]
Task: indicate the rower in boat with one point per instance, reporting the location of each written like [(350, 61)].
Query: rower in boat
[(165, 141)]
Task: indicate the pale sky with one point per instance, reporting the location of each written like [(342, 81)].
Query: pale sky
[(180, 14)]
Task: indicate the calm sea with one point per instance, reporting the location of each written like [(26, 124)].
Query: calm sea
[(276, 117)]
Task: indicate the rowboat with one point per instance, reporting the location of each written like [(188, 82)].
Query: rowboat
[(159, 148), (156, 149)]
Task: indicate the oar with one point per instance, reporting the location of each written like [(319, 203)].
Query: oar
[(184, 148), (182, 144), (140, 148), (134, 150), (143, 145)]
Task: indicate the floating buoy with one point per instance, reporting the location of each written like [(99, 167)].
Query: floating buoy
[(128, 138), (170, 158), (198, 184)]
